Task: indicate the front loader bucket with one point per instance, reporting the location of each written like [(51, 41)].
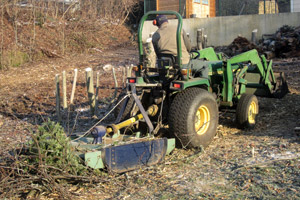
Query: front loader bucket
[(281, 87)]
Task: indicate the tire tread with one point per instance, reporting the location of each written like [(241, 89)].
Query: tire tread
[(179, 112)]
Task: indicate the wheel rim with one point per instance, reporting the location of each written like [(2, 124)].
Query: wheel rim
[(202, 120), (252, 112)]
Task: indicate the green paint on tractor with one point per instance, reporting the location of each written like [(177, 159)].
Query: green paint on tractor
[(185, 99)]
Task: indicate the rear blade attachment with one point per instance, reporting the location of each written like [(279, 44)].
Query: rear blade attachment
[(135, 155), (129, 156)]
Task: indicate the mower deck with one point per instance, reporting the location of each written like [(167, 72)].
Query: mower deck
[(123, 153)]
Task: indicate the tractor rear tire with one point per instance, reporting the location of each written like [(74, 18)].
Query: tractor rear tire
[(246, 111), (128, 108), (193, 118)]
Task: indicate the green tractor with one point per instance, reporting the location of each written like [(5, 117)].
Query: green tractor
[(186, 99), (189, 96)]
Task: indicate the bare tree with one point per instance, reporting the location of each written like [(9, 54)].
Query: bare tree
[(32, 39), (2, 33), (111, 10), (24, 20)]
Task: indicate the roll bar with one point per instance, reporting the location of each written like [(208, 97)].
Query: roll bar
[(178, 34)]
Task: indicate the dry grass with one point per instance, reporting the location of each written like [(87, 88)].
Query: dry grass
[(263, 163), (38, 29)]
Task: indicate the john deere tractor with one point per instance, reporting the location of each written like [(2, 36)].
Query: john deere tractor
[(185, 99), (188, 97)]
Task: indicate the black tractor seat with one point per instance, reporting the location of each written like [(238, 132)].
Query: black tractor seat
[(166, 60)]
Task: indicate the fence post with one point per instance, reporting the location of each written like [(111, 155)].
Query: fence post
[(97, 90), (57, 94), (65, 104), (116, 82), (254, 36), (74, 86), (90, 89), (204, 41), (129, 71), (199, 39), (124, 77)]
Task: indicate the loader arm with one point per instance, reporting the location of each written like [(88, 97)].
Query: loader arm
[(252, 57)]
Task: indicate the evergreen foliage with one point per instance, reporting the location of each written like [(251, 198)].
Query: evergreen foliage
[(51, 147)]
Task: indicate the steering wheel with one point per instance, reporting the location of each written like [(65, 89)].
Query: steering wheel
[(197, 52)]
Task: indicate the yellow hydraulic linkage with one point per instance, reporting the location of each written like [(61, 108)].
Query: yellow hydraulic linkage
[(152, 111)]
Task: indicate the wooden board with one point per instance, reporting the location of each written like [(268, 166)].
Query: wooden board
[(212, 8)]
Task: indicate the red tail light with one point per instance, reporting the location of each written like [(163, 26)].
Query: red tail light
[(131, 80), (176, 85)]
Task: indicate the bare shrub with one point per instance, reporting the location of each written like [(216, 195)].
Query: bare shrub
[(26, 25), (115, 11)]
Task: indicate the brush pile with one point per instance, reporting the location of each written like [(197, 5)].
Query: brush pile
[(285, 43), (240, 45)]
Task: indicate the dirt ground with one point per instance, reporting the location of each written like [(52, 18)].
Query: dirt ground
[(263, 163)]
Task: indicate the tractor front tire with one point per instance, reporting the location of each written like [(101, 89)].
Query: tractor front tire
[(246, 111), (193, 117)]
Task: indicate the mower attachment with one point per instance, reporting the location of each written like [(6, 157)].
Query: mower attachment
[(128, 156), (135, 155)]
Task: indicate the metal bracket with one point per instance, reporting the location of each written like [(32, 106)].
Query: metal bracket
[(122, 109), (131, 87)]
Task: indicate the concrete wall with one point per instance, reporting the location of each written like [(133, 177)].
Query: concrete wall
[(295, 5), (222, 31)]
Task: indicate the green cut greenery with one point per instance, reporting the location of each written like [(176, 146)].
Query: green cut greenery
[(51, 148)]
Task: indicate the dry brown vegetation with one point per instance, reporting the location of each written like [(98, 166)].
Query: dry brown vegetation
[(258, 164), (263, 163), (31, 30)]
